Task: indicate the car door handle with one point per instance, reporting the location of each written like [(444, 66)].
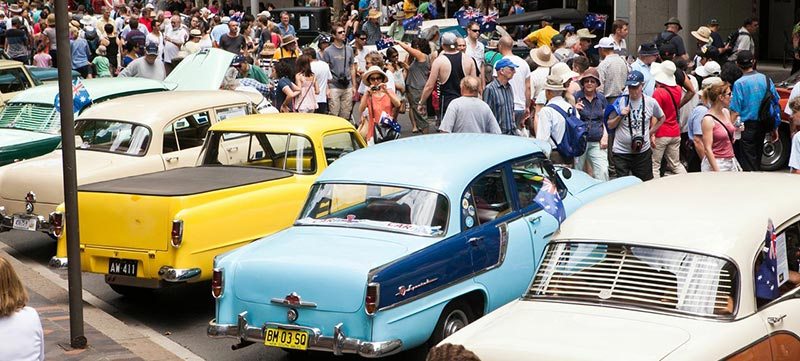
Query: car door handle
[(474, 240), (172, 159), (232, 149), (535, 220), (773, 320)]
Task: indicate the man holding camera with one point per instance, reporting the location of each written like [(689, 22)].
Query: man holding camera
[(341, 60), (635, 119)]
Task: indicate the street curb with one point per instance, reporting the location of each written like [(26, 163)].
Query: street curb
[(137, 338)]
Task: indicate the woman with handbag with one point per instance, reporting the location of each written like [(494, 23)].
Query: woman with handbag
[(591, 105), (378, 100), (307, 82), (718, 131), (286, 90)]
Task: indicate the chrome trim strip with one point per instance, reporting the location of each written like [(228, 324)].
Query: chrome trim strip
[(338, 344), (301, 304)]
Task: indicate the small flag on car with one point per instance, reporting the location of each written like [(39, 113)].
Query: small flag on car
[(550, 200), (767, 286), (80, 97)]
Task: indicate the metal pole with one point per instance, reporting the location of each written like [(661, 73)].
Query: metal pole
[(77, 338)]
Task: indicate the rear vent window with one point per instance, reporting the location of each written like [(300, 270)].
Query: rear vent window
[(640, 277), (30, 116)]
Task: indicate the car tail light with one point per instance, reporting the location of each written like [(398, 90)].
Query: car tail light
[(57, 222), (216, 283), (372, 298), (177, 233)]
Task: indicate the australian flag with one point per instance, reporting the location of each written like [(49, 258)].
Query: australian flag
[(467, 15), (413, 23), (550, 200), (384, 43), (489, 23), (80, 97), (767, 275)]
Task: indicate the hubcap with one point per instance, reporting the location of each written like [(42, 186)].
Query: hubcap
[(455, 321), (772, 151)]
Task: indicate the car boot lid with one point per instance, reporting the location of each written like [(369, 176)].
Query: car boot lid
[(203, 70)]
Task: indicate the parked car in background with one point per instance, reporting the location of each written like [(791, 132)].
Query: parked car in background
[(398, 244), (164, 228), (118, 138), (31, 126), (637, 277)]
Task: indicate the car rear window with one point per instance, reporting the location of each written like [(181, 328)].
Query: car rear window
[(637, 277)]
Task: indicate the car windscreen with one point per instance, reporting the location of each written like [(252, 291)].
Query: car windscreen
[(112, 136), (379, 207), (291, 152), (637, 277)]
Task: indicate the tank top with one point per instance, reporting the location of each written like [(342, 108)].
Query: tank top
[(721, 144), (451, 89), (418, 73)]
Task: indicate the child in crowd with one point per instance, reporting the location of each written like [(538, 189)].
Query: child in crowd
[(100, 62), (42, 58)]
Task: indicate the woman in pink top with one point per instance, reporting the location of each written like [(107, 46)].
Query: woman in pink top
[(718, 131)]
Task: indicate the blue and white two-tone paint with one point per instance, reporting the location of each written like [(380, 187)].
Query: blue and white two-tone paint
[(399, 244)]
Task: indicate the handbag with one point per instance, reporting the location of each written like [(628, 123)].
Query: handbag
[(386, 128)]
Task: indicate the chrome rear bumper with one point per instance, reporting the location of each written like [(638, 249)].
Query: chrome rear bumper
[(339, 343), (7, 222)]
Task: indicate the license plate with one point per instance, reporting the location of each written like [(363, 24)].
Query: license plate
[(277, 337), (24, 223), (124, 267)]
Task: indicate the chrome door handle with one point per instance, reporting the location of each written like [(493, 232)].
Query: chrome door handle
[(232, 149), (535, 220), (172, 159), (474, 240), (773, 320)]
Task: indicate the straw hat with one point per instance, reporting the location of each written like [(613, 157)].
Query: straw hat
[(288, 39), (703, 34), (374, 14), (563, 71), (585, 34), (554, 83), (664, 73), (543, 56), (399, 16), (268, 50), (373, 70), (195, 33)]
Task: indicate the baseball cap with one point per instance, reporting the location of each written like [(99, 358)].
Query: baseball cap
[(744, 57), (225, 20), (237, 60), (711, 68), (605, 43), (505, 63), (151, 49), (557, 40), (449, 40), (713, 21), (635, 78)]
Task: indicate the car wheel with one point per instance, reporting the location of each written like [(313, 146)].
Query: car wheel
[(132, 292), (457, 315), (776, 155)]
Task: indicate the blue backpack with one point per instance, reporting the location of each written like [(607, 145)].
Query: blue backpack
[(573, 143)]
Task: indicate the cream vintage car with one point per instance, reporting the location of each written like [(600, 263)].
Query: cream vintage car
[(673, 269), (128, 136)]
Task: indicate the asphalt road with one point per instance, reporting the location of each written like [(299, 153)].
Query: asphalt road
[(180, 313)]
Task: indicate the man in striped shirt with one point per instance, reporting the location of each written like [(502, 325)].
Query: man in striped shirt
[(499, 96)]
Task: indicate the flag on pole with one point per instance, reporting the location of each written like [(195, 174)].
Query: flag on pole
[(80, 97), (550, 200)]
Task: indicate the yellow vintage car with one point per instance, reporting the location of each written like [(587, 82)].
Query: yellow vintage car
[(253, 174)]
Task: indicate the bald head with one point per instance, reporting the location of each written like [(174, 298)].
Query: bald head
[(505, 44), (469, 86)]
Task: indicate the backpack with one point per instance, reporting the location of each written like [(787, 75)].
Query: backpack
[(661, 40), (734, 36), (765, 111), (573, 143)]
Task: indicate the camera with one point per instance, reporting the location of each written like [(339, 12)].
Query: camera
[(342, 81), (637, 143), (374, 88)]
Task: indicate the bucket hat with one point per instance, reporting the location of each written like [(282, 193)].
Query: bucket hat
[(664, 73), (543, 56), (702, 34)]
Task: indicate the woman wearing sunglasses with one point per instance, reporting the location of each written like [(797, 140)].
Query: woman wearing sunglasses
[(378, 99)]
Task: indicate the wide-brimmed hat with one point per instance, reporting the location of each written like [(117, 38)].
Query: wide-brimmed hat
[(268, 49), (585, 34), (543, 56), (702, 34), (674, 20), (554, 83), (590, 73), (15, 8), (87, 20), (195, 33), (51, 19), (373, 14), (664, 73), (711, 68), (373, 70), (288, 39), (563, 71), (75, 24), (399, 16), (648, 49)]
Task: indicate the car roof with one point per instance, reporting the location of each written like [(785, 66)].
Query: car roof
[(156, 108), (297, 123), (720, 213), (98, 88), (443, 162)]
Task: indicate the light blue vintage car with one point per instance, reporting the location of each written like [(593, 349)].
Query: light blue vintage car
[(398, 245)]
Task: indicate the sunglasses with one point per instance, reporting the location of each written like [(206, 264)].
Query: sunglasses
[(474, 30), (340, 32), (362, 39), (590, 80)]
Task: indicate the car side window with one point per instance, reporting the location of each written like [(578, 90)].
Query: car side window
[(13, 80), (186, 132), (338, 144), (777, 281), (529, 175), (230, 112), (486, 199)]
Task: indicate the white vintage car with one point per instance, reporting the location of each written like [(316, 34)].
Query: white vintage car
[(666, 270), (123, 137)]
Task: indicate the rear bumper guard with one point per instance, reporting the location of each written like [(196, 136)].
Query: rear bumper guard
[(338, 344), (170, 274)]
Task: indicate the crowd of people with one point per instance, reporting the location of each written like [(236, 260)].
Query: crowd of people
[(658, 113)]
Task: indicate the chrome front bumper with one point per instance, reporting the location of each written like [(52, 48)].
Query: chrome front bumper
[(7, 222), (339, 344)]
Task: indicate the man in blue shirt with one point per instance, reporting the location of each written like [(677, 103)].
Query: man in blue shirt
[(500, 97), (284, 27), (748, 93), (647, 55)]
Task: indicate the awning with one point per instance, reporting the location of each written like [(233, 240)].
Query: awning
[(559, 15)]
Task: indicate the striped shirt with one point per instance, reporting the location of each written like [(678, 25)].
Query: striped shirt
[(500, 99)]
